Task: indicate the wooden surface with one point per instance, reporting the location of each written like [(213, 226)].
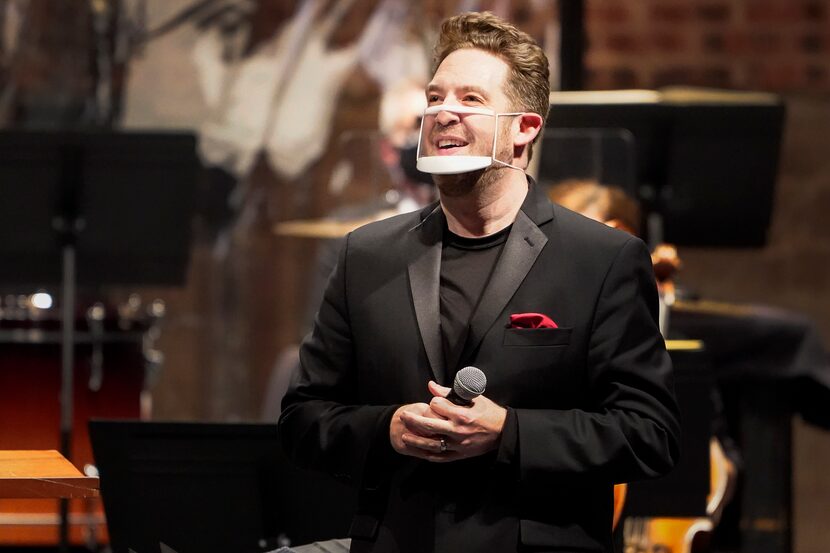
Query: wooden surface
[(42, 474), (30, 385)]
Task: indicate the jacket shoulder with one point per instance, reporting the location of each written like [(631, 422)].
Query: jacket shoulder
[(580, 233), (385, 228), (383, 238)]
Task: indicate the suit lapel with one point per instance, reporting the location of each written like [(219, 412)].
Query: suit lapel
[(424, 282), (524, 244)]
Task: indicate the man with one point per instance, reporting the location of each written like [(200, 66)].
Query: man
[(570, 407)]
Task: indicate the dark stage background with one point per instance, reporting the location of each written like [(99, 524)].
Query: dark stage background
[(271, 112)]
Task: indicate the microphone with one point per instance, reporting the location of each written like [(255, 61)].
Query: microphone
[(469, 383)]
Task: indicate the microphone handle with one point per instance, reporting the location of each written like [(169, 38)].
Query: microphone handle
[(458, 400)]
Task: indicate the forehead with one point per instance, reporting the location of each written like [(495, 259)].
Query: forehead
[(471, 68)]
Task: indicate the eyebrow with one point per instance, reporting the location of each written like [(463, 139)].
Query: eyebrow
[(465, 88)]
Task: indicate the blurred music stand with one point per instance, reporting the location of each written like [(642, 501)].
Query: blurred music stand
[(604, 155), (705, 161), (211, 487), (123, 201), (93, 208)]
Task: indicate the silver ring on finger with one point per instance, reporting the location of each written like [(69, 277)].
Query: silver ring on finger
[(444, 447)]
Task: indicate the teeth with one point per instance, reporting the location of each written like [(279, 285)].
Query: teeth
[(448, 144)]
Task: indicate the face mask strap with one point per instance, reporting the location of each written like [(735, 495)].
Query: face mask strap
[(496, 136), (420, 136), (508, 165), (464, 110), (434, 110)]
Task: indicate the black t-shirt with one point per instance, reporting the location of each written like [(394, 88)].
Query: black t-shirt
[(466, 266)]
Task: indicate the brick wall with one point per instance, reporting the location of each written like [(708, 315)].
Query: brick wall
[(781, 46), (778, 45)]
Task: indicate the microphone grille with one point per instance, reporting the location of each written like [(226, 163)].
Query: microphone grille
[(469, 383)]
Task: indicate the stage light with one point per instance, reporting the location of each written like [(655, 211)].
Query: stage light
[(41, 300)]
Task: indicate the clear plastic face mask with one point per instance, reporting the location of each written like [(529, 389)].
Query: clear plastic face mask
[(456, 148)]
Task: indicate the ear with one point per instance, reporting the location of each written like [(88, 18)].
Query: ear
[(530, 125)]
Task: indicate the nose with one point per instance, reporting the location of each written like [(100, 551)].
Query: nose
[(445, 118)]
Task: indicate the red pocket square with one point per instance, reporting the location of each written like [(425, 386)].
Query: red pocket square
[(531, 320)]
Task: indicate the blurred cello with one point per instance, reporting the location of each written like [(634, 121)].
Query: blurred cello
[(680, 535), (684, 535)]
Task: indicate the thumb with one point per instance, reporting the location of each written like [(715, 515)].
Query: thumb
[(437, 390)]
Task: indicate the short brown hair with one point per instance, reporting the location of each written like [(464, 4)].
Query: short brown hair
[(528, 84)]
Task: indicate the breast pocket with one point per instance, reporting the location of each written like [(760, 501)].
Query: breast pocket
[(536, 337)]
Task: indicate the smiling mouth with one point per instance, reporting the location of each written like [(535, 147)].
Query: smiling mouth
[(449, 146)]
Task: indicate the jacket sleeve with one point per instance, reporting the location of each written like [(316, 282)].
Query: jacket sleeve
[(323, 425), (630, 428)]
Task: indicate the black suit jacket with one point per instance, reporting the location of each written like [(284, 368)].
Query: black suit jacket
[(591, 401)]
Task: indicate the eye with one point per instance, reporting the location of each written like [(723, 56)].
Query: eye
[(433, 98), (472, 98)]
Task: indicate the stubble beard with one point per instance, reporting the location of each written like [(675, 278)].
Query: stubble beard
[(477, 182), (463, 184)]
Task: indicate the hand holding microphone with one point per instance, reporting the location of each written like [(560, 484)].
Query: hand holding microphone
[(460, 422)]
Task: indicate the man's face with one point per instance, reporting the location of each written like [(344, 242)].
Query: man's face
[(474, 78)]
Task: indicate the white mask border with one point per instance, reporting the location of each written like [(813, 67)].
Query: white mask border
[(469, 110)]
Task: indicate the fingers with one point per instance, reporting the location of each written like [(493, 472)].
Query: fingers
[(397, 426), (428, 445), (436, 450), (445, 408), (418, 408), (437, 390), (419, 430), (413, 434), (426, 426)]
